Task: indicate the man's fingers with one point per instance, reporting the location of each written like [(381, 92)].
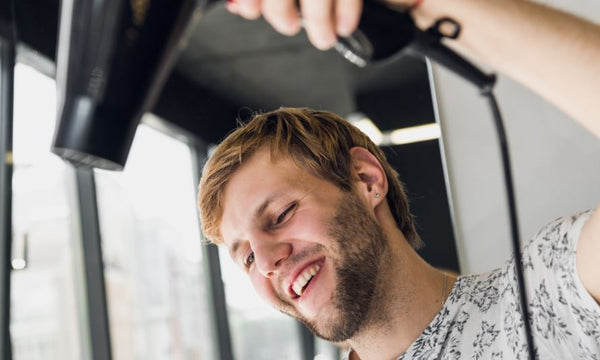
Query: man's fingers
[(319, 22), (322, 19), (347, 16), (248, 9), (283, 15)]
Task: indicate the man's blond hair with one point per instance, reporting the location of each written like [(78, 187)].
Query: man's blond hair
[(318, 141)]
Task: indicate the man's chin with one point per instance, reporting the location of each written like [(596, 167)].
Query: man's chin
[(333, 331), (328, 325), (318, 319)]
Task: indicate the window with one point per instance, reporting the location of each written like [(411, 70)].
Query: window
[(155, 283), (258, 331), (44, 317), (325, 350)]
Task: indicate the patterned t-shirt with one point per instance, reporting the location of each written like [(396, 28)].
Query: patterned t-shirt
[(481, 318)]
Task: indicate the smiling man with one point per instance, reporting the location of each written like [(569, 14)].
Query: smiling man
[(312, 211), (309, 207)]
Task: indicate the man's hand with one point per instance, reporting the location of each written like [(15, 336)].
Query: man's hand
[(323, 20)]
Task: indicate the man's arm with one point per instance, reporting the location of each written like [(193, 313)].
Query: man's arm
[(555, 54)]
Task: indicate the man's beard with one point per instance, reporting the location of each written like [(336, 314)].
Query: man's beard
[(360, 243)]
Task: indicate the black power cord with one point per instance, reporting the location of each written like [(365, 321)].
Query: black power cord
[(512, 210), (428, 44)]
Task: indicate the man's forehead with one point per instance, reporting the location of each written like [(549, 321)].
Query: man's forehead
[(253, 187), (264, 167)]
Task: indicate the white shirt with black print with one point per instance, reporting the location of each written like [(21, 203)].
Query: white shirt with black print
[(481, 318)]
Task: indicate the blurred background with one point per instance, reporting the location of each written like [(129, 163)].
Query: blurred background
[(112, 265)]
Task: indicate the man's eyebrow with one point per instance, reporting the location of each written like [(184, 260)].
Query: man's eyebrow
[(235, 246), (260, 210)]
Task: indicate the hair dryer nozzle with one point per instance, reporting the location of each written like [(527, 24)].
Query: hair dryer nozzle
[(113, 58)]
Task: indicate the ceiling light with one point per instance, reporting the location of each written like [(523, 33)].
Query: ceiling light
[(415, 134), (367, 127)]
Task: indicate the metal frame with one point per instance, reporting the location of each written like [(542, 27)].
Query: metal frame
[(97, 311), (212, 268), (307, 342), (7, 66), (219, 305)]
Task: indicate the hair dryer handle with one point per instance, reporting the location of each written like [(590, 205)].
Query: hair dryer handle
[(430, 46)]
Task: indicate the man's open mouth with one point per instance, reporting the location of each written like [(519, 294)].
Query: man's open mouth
[(302, 281)]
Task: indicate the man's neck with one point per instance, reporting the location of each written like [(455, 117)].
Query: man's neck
[(408, 296)]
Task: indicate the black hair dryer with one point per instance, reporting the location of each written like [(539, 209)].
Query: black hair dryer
[(384, 32), (113, 58)]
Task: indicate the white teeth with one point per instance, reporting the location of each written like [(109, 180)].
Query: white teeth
[(303, 279), (297, 288)]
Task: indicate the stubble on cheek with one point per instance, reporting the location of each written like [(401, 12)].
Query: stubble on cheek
[(357, 244), (362, 244)]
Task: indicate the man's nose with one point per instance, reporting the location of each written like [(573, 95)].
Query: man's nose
[(270, 256)]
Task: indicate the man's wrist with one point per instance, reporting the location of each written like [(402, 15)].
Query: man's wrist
[(427, 12), (415, 5)]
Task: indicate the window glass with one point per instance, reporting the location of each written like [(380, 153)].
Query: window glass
[(151, 245), (325, 350), (258, 331), (44, 316)]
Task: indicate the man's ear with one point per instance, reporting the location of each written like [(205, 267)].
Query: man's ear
[(371, 181)]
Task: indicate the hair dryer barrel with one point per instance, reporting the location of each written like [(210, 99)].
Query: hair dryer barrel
[(113, 58)]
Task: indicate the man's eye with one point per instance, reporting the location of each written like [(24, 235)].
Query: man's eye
[(249, 260), (284, 215)]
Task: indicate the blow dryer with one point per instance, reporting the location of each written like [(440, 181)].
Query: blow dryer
[(113, 58), (115, 55), (383, 33)]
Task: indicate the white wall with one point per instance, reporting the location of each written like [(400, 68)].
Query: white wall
[(556, 163)]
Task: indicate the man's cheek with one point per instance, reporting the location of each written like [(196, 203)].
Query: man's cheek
[(264, 289)]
